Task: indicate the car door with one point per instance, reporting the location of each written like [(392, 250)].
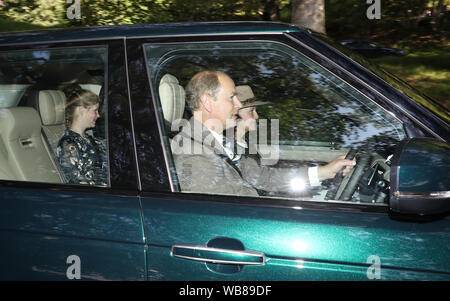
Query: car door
[(49, 229), (288, 235)]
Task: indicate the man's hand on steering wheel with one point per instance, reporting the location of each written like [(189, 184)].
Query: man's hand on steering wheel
[(330, 170)]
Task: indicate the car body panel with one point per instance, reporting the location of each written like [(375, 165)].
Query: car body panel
[(300, 241), (105, 232)]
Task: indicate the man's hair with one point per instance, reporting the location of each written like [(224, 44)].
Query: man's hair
[(201, 83)]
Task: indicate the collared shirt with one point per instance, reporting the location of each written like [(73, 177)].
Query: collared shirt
[(227, 147), (312, 171)]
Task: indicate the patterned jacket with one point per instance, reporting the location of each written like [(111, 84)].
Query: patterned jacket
[(82, 159)]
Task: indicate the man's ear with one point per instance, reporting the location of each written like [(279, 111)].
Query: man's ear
[(206, 102)]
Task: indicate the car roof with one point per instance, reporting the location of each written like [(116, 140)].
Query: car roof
[(144, 30), (358, 40)]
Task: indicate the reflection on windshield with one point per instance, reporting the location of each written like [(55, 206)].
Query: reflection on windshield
[(394, 81), (309, 102)]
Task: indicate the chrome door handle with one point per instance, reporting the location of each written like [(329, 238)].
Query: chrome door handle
[(216, 255)]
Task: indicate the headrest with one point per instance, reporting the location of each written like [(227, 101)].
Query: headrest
[(10, 95), (172, 98), (19, 123), (169, 78), (51, 107)]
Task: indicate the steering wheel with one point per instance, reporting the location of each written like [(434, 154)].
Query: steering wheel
[(337, 180), (361, 163)]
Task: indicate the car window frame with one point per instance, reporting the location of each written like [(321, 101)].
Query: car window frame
[(120, 183), (148, 99)]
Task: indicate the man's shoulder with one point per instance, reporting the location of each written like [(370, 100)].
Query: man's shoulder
[(183, 144), (200, 160), (203, 144)]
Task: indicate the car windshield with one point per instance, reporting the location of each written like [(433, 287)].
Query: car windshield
[(394, 81)]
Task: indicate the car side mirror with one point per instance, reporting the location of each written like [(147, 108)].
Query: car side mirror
[(420, 177)]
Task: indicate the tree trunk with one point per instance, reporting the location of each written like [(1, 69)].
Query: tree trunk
[(309, 14)]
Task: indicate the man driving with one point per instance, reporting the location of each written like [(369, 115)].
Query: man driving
[(204, 161)]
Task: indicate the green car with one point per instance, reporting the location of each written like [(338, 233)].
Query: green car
[(151, 218)]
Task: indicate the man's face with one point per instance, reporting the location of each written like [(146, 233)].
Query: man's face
[(226, 105)]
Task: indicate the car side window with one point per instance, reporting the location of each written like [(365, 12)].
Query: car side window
[(306, 118), (53, 116)]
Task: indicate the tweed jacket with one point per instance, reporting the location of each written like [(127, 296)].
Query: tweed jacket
[(202, 167)]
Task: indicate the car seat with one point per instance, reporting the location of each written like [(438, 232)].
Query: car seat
[(172, 97), (23, 145), (50, 105)]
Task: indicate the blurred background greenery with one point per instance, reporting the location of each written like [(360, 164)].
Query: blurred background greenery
[(419, 27)]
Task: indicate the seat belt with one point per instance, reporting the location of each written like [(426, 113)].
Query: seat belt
[(54, 159)]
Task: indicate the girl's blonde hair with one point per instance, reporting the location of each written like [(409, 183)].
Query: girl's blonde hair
[(78, 98)]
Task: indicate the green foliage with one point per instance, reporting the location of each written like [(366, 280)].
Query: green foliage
[(7, 24), (347, 18), (38, 12), (428, 70), (114, 12), (227, 10), (198, 10), (344, 17)]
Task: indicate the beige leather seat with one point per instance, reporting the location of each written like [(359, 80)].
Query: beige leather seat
[(5, 171), (51, 108), (172, 97), (24, 148)]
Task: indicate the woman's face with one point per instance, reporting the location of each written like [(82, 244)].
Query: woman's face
[(88, 116)]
